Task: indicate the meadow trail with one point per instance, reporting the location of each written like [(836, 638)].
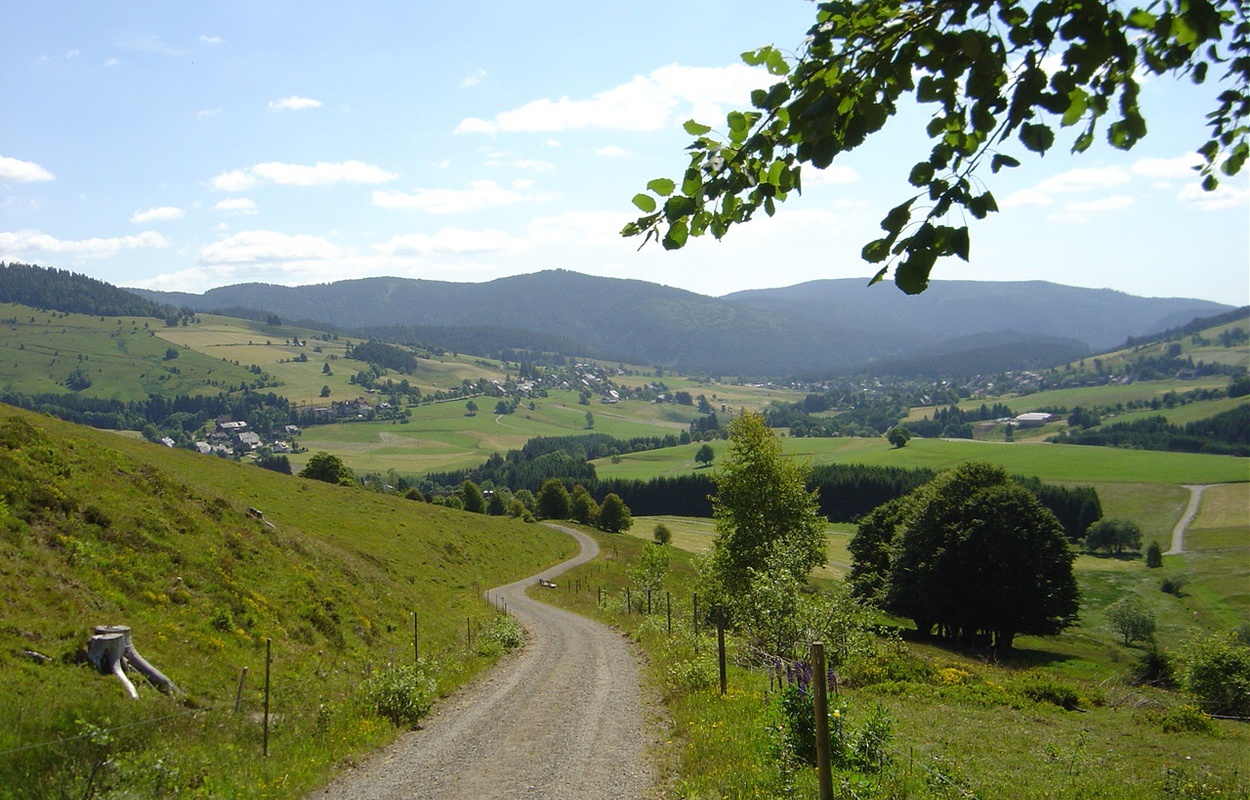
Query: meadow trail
[(563, 718), (1191, 511)]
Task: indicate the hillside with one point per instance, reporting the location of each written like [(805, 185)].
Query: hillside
[(97, 529), (811, 328)]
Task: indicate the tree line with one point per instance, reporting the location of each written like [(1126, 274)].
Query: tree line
[(1227, 433), (62, 290)]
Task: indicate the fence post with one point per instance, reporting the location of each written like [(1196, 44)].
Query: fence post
[(696, 622), (648, 602), (720, 647), (668, 610), (268, 659), (238, 695), (629, 602), (820, 707)]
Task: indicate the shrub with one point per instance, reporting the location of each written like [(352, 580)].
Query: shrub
[(1216, 671), (1175, 585), (1040, 690), (402, 695), (1154, 556), (1132, 619), (501, 634), (1185, 719), (1154, 667)]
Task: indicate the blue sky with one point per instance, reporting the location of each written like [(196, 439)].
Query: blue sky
[(184, 146)]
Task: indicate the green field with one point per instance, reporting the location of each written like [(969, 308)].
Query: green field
[(1049, 462)]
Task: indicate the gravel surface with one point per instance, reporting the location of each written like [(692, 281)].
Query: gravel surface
[(563, 718)]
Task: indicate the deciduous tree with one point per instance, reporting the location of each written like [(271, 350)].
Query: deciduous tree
[(614, 516), (327, 468), (552, 501), (991, 71)]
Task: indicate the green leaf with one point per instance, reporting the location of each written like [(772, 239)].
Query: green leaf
[(677, 207), (876, 251), (645, 202), (898, 217), (1037, 138), (676, 237), (959, 242), (912, 275), (661, 186), (1076, 107), (692, 182), (776, 63), (921, 174), (695, 129), (999, 161)]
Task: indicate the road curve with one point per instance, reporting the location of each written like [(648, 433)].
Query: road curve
[(562, 719), (1191, 511)]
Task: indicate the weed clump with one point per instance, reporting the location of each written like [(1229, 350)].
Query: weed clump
[(402, 695)]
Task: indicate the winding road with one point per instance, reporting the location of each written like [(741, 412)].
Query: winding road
[(563, 718)]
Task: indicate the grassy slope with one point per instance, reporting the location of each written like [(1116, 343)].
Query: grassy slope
[(161, 540)]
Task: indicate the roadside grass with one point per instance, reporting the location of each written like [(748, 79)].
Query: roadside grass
[(100, 529), (963, 723)]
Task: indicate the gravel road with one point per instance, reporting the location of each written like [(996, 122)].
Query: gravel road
[(563, 718)]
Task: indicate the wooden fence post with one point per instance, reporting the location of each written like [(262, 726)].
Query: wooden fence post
[(820, 706), (238, 695)]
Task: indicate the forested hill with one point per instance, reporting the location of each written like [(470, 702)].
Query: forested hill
[(60, 290), (823, 326)]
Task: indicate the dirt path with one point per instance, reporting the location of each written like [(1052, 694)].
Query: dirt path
[(1178, 533), (562, 719)]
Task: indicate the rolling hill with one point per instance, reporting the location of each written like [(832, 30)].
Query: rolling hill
[(812, 328)]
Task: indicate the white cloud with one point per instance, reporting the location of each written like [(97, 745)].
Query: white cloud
[(834, 174), (211, 39), (612, 151), (1079, 212), (1181, 168), (1226, 195), (111, 62), (320, 174), (473, 79), (533, 164), (207, 112), (293, 103), (1079, 180), (158, 214), (240, 205), (17, 242), (646, 103), (256, 246), (13, 169), (480, 195), (1026, 198), (149, 44), (451, 241), (75, 53)]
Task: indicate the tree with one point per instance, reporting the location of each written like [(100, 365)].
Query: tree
[(325, 391), (582, 506), (763, 511), (471, 498), (329, 469), (705, 455), (1114, 534), (497, 505), (275, 462), (325, 369), (552, 501), (470, 409), (1154, 556), (1132, 619), (590, 420), (171, 353), (973, 552), (650, 567), (991, 71), (662, 534), (614, 516), (898, 436)]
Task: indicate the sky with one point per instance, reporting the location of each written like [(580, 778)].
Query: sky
[(184, 146)]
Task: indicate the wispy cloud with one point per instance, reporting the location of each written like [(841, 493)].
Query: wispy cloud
[(1080, 180), (833, 174), (648, 102), (479, 195), (260, 246), (473, 79), (111, 62), (612, 151), (451, 241), (293, 103), (1181, 168), (211, 39), (157, 214), (26, 242), (147, 43), (1226, 195), (205, 113), (75, 53), (237, 205), (320, 174), (13, 169), (1082, 211)]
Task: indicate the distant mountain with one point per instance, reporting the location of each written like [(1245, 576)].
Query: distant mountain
[(812, 328)]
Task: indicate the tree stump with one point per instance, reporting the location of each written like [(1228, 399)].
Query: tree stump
[(111, 650)]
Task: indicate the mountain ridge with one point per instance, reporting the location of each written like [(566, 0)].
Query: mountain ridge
[(835, 325)]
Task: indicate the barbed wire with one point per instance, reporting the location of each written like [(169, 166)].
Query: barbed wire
[(107, 730)]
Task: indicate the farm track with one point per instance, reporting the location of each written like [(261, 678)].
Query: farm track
[(563, 718), (1191, 511)]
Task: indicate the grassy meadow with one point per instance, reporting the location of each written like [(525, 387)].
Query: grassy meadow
[(98, 529)]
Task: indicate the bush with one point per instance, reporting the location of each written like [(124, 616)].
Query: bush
[(1216, 671), (1154, 667), (862, 747), (1040, 690), (402, 695), (501, 634), (1175, 585), (1154, 556)]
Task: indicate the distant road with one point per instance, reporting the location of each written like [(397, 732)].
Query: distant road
[(1178, 533), (562, 720)]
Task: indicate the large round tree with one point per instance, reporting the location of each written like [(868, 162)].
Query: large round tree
[(973, 553)]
